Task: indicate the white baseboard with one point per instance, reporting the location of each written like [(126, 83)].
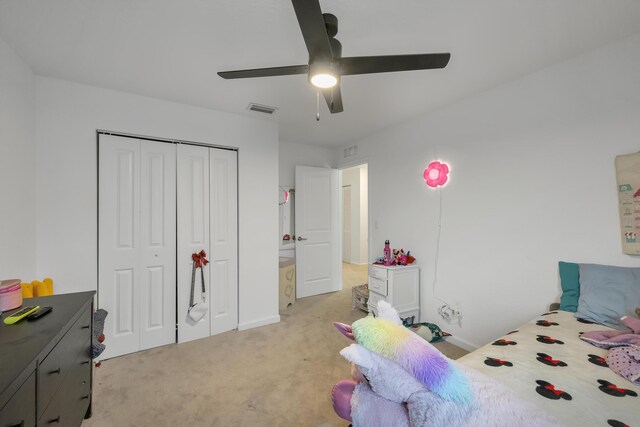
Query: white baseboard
[(462, 343), (258, 323)]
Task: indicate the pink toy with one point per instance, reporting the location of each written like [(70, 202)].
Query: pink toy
[(400, 257), (401, 380)]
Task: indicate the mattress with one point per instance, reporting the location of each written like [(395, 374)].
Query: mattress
[(546, 363)]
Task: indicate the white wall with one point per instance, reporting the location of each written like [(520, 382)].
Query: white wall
[(68, 115), (17, 167), (292, 155), (532, 182), (356, 178)]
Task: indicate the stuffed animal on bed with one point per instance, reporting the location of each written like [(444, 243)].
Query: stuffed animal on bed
[(400, 379)]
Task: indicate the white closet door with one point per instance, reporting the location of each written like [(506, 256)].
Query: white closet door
[(223, 269), (157, 244), (137, 240), (119, 243), (193, 234)]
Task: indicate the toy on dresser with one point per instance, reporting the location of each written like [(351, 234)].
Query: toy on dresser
[(401, 258), (394, 257)]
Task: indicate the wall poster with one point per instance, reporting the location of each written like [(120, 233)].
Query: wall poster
[(628, 179)]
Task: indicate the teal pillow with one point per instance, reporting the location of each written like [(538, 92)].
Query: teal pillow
[(570, 283), (607, 293)]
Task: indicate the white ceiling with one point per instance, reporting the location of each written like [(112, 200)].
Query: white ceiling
[(172, 50)]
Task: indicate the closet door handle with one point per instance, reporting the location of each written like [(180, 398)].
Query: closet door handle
[(20, 424), (55, 420), (300, 238), (56, 371)]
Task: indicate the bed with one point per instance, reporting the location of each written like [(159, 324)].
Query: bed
[(545, 361)]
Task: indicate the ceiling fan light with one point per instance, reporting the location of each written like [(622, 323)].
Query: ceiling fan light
[(323, 80), (323, 74)]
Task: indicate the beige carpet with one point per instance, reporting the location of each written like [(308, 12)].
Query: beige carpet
[(277, 375)]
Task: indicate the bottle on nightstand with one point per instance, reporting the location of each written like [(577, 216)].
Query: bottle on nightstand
[(387, 253)]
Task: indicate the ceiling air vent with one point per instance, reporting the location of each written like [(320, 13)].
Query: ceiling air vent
[(261, 108), (351, 151)]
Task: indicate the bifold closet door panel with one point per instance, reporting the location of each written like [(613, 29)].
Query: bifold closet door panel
[(119, 242), (193, 235), (157, 244), (137, 241), (224, 240)]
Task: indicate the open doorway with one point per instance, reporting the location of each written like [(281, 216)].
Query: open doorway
[(355, 226)]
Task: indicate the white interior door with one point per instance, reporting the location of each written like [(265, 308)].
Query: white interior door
[(346, 223), (223, 269), (193, 235), (318, 266), (157, 244), (137, 239)]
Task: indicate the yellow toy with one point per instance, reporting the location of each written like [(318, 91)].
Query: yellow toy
[(27, 290), (42, 289)]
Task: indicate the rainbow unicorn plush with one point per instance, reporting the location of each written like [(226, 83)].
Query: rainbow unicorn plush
[(402, 380)]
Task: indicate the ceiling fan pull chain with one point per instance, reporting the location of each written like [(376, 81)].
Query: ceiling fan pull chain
[(318, 106)]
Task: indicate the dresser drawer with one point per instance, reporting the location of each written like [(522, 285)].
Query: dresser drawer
[(55, 367), (77, 390), (53, 415), (70, 402), (21, 409), (378, 272), (373, 302), (378, 286)]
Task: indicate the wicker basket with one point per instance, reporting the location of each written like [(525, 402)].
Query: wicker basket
[(359, 297)]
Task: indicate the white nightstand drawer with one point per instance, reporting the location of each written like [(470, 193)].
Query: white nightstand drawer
[(378, 272), (373, 302), (378, 286)]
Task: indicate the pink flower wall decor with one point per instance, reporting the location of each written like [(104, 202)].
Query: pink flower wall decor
[(436, 174)]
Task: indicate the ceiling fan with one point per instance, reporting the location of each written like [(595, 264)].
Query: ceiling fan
[(326, 64)]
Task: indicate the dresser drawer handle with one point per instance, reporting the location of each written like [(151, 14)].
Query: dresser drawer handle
[(55, 420), (20, 424), (85, 397), (56, 371), (86, 327), (86, 362)]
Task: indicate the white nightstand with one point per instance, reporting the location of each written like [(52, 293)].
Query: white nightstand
[(397, 285)]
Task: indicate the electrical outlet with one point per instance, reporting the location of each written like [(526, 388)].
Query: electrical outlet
[(456, 312), (450, 313)]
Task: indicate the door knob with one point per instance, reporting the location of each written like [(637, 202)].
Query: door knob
[(300, 238)]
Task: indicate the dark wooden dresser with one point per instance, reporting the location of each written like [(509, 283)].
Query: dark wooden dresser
[(45, 365)]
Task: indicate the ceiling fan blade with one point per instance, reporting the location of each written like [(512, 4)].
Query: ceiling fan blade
[(334, 99), (265, 72), (313, 29), (389, 63)]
